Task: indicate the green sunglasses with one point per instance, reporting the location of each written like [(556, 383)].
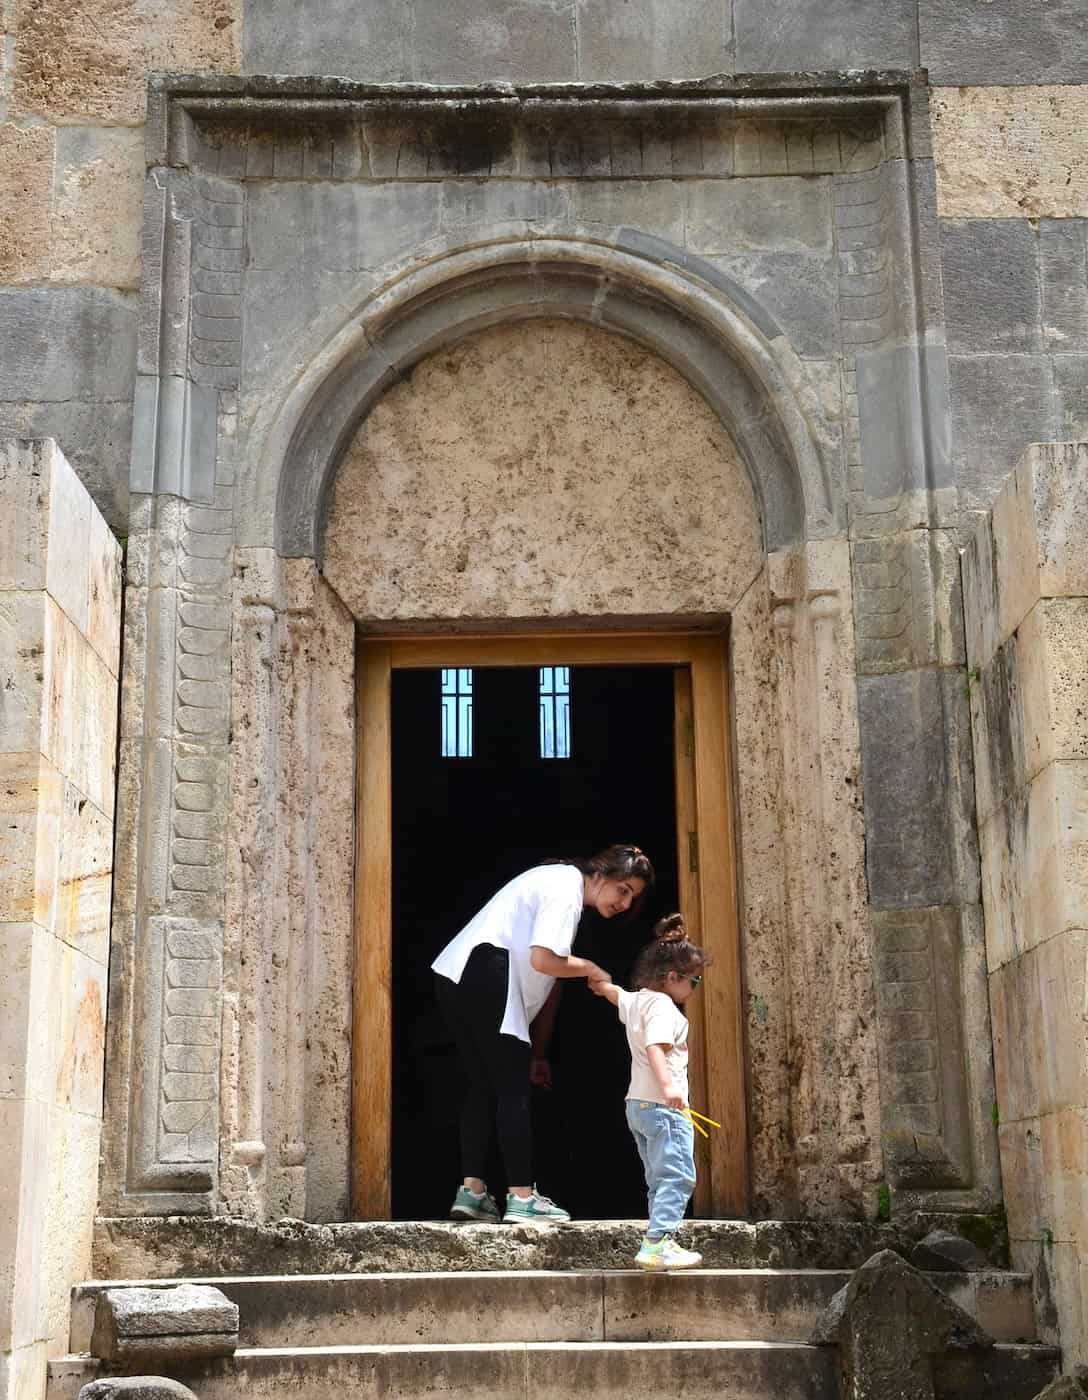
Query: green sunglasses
[(695, 980)]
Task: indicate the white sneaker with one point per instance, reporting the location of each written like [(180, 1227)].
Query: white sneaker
[(665, 1253)]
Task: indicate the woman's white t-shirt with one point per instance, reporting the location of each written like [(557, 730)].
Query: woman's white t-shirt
[(539, 909), (653, 1018)]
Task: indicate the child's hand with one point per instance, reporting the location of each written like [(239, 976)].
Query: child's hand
[(599, 986), (597, 975), (673, 1099), (540, 1072)]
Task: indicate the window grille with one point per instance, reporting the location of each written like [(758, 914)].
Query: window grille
[(457, 712), (555, 712)]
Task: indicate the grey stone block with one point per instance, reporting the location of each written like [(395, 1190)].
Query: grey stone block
[(135, 1388), (371, 43), (893, 455), (991, 285), (800, 292), (1063, 273), (1003, 41), (791, 214), (1071, 396), (462, 41), (905, 775), (186, 1323), (645, 39), (66, 343), (1000, 403), (891, 1327), (784, 36), (95, 438), (943, 1252)]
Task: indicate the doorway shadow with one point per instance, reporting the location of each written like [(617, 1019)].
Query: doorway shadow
[(462, 826)]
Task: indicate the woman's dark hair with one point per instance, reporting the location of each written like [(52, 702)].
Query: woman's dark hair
[(670, 951), (620, 863)]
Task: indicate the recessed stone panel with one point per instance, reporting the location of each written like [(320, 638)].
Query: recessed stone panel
[(558, 425)]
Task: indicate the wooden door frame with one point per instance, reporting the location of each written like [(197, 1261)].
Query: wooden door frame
[(708, 887)]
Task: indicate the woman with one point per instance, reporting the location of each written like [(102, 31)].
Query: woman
[(493, 980)]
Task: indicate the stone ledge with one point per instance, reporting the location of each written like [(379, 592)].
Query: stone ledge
[(150, 1247)]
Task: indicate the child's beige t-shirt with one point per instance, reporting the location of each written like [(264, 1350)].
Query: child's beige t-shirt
[(652, 1018)]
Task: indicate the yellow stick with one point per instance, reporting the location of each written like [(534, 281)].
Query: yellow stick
[(698, 1127), (705, 1119)]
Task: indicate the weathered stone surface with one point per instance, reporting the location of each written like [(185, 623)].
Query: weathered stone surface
[(136, 1388), (97, 206), (26, 180), (372, 46), (93, 61), (991, 286), (648, 40), (1064, 1388), (186, 1323), (890, 1325), (1062, 257), (786, 215), (66, 343), (156, 1247), (905, 773), (430, 510), (1010, 152), (942, 1251), (526, 40), (790, 35), (59, 701), (97, 439), (1001, 41), (1000, 404)]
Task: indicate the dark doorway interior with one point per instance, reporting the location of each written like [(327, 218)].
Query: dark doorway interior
[(461, 828)]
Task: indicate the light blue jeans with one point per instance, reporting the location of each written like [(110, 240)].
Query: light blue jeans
[(666, 1143)]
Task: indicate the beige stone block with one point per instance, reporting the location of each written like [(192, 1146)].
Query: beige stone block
[(26, 178), (98, 206), (1065, 1166), (104, 593), (24, 1372), (1063, 1069), (1040, 522), (22, 663), (92, 59), (1011, 152), (1052, 650), (1019, 1043), (31, 806), (1021, 1150), (72, 1194), (23, 1168), (19, 1037), (80, 1049), (68, 544), (64, 657), (24, 518), (1067, 1286), (97, 771), (521, 472), (84, 876), (1034, 854)]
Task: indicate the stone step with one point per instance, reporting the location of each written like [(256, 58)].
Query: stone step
[(556, 1370), (728, 1305)]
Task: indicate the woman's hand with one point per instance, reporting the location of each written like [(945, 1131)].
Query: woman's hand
[(540, 1072)]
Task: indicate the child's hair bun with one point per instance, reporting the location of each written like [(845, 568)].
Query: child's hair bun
[(670, 929)]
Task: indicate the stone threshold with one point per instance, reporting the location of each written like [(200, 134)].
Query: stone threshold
[(151, 1247)]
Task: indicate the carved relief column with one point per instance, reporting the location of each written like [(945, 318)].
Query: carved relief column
[(834, 1109)]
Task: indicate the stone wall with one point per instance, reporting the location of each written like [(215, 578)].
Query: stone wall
[(1012, 187), (1026, 600), (60, 599)]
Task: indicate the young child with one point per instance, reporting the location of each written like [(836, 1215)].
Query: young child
[(667, 972)]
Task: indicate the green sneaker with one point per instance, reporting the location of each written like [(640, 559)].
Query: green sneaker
[(520, 1209), (466, 1206)]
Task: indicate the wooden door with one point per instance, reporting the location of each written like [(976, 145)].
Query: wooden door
[(706, 868)]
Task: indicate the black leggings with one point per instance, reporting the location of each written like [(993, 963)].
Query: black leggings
[(496, 1065)]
